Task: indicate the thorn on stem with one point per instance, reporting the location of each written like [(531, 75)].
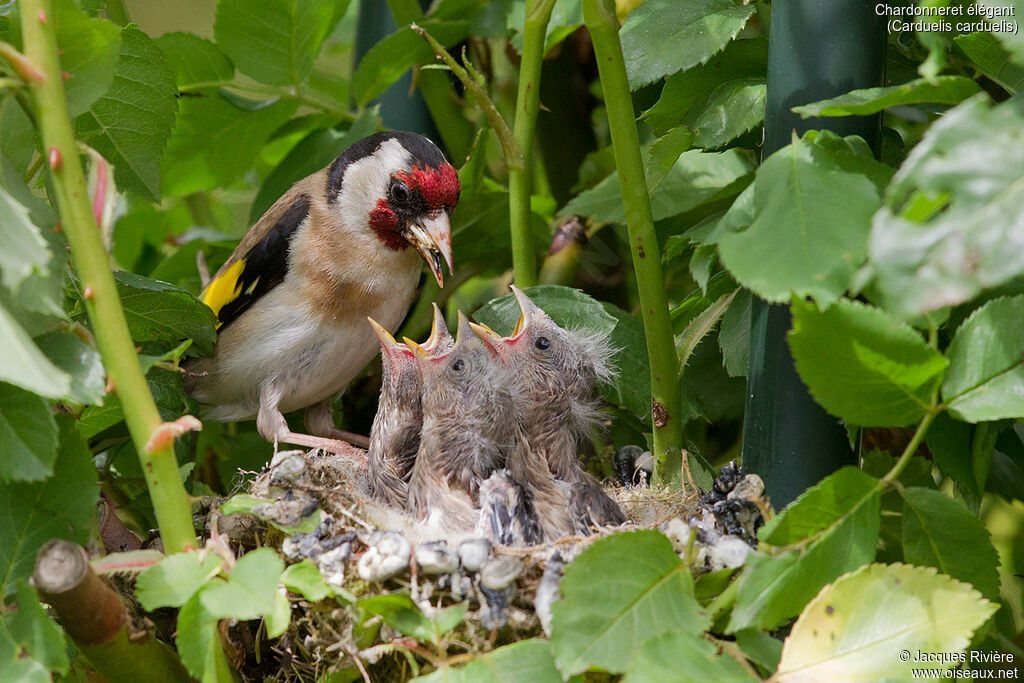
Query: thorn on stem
[(41, 16), (56, 161), (166, 433), (65, 75), (87, 293)]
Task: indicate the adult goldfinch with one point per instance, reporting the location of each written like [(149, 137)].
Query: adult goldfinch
[(292, 300)]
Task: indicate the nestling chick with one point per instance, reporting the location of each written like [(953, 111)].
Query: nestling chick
[(466, 431), (395, 435), (293, 298), (557, 372)]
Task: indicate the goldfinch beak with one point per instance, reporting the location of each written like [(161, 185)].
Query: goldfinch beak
[(432, 237), (489, 337)]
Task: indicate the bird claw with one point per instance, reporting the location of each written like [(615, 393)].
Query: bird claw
[(164, 435)]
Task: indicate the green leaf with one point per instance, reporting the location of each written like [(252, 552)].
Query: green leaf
[(402, 614), (174, 581), (992, 59), (855, 628), (305, 579), (278, 620), (1005, 27), (830, 529), (80, 361), (273, 41), (734, 335), (88, 53), (96, 419), (316, 150), (198, 640), (950, 444), (35, 635), (28, 436), (862, 365), (695, 178), (719, 100), (131, 123), (25, 251), (810, 229), (215, 142), (528, 661), (972, 190), (985, 380), (25, 365), (661, 37), (196, 62), (157, 311), (760, 648), (631, 387), (60, 507), (702, 324), (941, 532), (683, 658), (250, 589), (390, 58), (601, 624), (943, 90), (566, 18), (243, 502)]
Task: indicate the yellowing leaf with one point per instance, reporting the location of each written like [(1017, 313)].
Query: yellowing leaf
[(858, 628)]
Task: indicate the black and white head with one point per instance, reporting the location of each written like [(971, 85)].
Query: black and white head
[(400, 185)]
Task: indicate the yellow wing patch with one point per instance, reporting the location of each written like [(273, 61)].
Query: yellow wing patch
[(222, 290)]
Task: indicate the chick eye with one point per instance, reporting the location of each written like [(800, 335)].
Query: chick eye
[(459, 365), (542, 343), (399, 192)]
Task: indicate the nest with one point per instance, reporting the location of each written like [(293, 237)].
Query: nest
[(364, 549)]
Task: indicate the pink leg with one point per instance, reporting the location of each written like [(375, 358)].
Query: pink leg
[(320, 421)]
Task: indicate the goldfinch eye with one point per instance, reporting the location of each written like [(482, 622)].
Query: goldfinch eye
[(542, 343), (400, 192), (459, 365)]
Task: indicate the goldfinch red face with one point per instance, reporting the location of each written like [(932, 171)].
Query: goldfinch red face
[(414, 191)]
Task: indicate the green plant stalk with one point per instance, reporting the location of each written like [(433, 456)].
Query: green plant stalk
[(118, 13), (599, 17), (170, 502), (469, 78), (456, 131), (908, 452), (520, 180)]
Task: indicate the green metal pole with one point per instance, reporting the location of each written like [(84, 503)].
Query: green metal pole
[(399, 109), (818, 49)]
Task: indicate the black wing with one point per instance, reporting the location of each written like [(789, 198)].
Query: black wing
[(266, 264)]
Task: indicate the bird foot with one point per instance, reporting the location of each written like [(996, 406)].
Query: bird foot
[(350, 437), (331, 445)]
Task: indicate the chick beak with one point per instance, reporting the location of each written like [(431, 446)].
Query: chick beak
[(431, 235), (527, 311), (491, 339), (464, 336), (438, 329), (387, 342), (421, 353)]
